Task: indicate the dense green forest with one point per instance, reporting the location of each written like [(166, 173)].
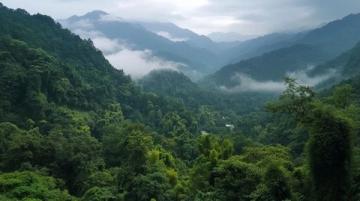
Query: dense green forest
[(72, 127)]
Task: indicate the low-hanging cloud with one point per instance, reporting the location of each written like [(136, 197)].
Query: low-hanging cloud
[(106, 45), (248, 84), (139, 63), (170, 37), (110, 18), (303, 78), (81, 24), (136, 63)]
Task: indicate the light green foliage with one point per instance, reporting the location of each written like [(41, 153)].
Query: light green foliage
[(264, 155), (31, 186), (295, 100), (99, 194), (342, 96), (173, 125), (102, 179), (127, 145), (277, 183), (19, 147), (236, 180)]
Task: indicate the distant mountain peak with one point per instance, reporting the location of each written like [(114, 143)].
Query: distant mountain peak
[(95, 14), (92, 15), (352, 15), (229, 36)]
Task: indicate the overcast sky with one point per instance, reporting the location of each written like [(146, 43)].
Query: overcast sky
[(253, 17)]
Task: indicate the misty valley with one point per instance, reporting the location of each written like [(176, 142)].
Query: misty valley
[(103, 105)]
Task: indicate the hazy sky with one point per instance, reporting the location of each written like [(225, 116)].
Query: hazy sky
[(254, 17)]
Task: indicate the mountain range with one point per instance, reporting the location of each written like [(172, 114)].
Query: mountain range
[(177, 48), (225, 65), (73, 127), (229, 36), (188, 57), (298, 55)]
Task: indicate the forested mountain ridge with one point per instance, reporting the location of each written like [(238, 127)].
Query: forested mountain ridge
[(201, 55), (173, 43), (272, 65), (74, 128), (135, 36), (345, 66), (336, 36), (260, 45), (313, 48), (175, 33), (175, 84), (69, 68)]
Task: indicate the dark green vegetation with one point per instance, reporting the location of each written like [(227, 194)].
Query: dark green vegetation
[(176, 85), (74, 128)]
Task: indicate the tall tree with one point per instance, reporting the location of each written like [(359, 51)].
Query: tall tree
[(330, 144)]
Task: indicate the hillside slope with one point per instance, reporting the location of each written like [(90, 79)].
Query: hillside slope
[(315, 47), (45, 67)]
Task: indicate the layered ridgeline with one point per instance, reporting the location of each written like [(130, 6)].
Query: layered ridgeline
[(297, 60), (334, 71), (184, 50), (260, 45), (229, 36), (74, 128), (178, 34), (177, 48)]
